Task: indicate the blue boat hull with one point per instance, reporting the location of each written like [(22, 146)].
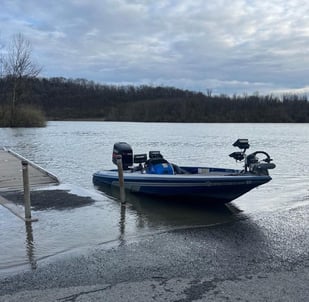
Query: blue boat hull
[(206, 188)]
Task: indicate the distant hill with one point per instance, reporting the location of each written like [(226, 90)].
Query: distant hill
[(63, 99)]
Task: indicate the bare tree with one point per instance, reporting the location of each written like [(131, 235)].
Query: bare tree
[(208, 92), (18, 66), (1, 72), (1, 63)]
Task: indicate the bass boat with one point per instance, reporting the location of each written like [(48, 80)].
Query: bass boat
[(154, 175)]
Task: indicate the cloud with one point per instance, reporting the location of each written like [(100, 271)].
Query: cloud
[(227, 46)]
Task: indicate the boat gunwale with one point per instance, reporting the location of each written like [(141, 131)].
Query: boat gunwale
[(112, 175)]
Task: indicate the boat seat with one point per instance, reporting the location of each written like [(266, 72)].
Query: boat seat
[(159, 166)]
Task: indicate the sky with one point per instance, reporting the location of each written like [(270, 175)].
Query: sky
[(222, 46)]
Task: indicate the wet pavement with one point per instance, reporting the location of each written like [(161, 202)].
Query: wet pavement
[(50, 199), (260, 257), (72, 218)]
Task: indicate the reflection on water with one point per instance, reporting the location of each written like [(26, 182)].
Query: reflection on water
[(161, 213), (122, 223), (30, 245)]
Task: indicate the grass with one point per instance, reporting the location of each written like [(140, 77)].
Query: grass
[(21, 116)]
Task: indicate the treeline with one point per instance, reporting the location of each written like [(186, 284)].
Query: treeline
[(61, 98)]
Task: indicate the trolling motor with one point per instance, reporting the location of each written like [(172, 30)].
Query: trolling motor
[(252, 163)]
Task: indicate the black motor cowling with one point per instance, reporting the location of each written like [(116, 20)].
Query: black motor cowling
[(126, 152)]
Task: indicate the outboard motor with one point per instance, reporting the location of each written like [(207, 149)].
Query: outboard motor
[(126, 153)]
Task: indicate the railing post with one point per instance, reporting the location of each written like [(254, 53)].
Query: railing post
[(26, 190), (121, 180)]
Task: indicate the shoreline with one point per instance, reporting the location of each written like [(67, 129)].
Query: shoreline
[(248, 259)]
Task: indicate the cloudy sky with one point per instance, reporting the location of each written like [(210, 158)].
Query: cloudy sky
[(238, 46)]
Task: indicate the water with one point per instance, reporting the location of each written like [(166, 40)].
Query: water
[(74, 150)]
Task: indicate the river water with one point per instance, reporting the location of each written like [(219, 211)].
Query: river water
[(74, 150)]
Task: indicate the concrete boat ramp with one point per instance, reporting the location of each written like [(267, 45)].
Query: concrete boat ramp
[(11, 178)]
